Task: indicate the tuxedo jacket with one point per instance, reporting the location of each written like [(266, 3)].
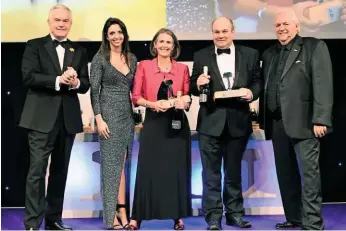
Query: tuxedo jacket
[(213, 116), (306, 88), (40, 68)]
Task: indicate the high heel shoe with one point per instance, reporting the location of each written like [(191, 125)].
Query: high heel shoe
[(178, 225), (119, 206), (117, 227), (132, 227)]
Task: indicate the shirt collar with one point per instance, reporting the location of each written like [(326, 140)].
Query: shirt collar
[(173, 70), (231, 47), (53, 38)]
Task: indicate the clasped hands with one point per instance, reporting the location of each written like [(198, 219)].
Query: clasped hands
[(69, 77), (178, 103)]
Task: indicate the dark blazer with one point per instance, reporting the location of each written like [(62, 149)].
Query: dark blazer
[(40, 67), (212, 117), (306, 89)]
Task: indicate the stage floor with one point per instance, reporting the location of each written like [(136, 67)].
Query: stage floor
[(334, 215)]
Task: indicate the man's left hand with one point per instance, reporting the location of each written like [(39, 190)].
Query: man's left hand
[(248, 96), (74, 82), (320, 130)]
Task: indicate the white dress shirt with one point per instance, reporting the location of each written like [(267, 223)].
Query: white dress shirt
[(61, 54), (226, 63)]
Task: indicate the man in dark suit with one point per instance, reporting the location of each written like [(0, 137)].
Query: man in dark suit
[(54, 70), (224, 126), (295, 111)]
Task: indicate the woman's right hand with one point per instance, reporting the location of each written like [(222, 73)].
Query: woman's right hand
[(160, 106), (103, 130)]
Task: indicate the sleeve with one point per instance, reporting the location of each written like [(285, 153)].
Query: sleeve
[(31, 70), (83, 75), (196, 72), (186, 89), (322, 84), (255, 86), (137, 91), (96, 74)]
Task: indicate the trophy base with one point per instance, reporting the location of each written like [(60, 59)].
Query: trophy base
[(228, 94)]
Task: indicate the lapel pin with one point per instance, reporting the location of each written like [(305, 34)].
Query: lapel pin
[(71, 49)]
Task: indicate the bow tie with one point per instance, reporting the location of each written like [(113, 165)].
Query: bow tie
[(57, 43), (221, 51)]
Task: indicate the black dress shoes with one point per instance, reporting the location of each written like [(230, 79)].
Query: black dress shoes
[(58, 225), (286, 225), (238, 222), (214, 225)]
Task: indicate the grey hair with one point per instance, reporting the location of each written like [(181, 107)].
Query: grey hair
[(60, 6), (293, 15), (230, 20)]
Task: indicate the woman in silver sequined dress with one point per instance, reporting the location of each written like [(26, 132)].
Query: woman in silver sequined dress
[(111, 79)]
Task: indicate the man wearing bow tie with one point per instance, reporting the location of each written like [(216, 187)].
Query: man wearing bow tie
[(224, 126), (54, 70), (295, 112)]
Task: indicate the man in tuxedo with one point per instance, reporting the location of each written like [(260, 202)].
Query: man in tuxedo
[(295, 111), (54, 70), (224, 126)]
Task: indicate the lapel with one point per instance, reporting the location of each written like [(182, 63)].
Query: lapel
[(293, 55), (215, 68), (238, 62), (52, 53), (69, 52), (269, 70)]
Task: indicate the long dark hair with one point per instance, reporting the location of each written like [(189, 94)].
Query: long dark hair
[(176, 50), (105, 46)]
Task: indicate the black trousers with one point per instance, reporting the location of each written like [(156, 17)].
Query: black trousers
[(213, 150), (297, 168), (57, 143)]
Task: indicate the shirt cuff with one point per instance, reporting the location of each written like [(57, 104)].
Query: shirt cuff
[(57, 83)]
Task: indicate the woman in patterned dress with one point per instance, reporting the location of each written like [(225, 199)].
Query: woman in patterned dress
[(111, 79)]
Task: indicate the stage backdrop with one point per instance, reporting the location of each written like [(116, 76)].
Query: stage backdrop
[(189, 19)]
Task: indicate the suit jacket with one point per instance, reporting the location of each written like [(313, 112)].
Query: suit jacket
[(306, 88), (40, 67), (148, 79), (213, 116)]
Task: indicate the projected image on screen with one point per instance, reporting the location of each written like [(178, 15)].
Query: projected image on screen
[(27, 19), (191, 19)]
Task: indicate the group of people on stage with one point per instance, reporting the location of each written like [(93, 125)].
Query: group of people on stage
[(294, 85)]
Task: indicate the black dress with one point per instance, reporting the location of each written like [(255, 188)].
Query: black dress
[(163, 180)]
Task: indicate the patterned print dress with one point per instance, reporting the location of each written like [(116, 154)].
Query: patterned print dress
[(110, 97)]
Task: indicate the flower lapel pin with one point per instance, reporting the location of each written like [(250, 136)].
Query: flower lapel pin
[(71, 49)]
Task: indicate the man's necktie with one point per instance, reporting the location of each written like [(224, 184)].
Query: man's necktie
[(223, 51), (57, 43)]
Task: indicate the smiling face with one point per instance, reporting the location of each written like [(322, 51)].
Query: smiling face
[(115, 36), (286, 27), (223, 32), (59, 22), (164, 45)]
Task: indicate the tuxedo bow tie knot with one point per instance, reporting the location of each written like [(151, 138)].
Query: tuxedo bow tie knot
[(57, 43), (223, 51)]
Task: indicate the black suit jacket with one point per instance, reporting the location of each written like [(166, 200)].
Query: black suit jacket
[(212, 117), (306, 88), (40, 67)]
